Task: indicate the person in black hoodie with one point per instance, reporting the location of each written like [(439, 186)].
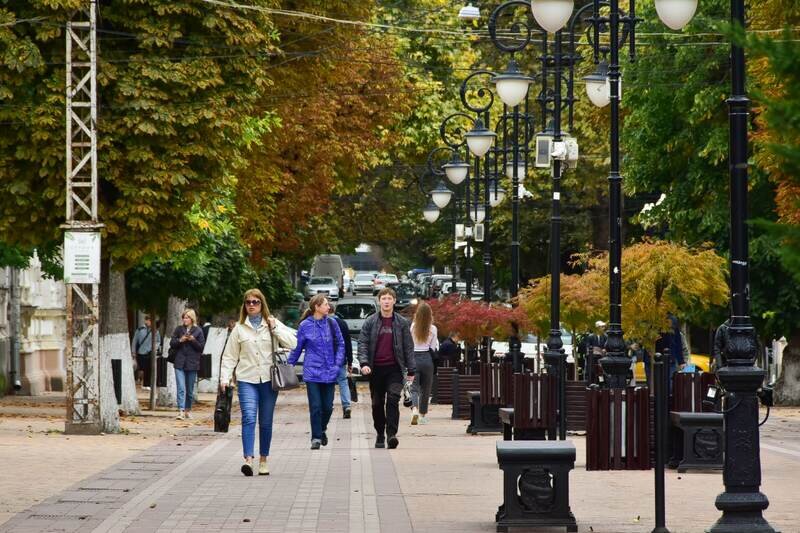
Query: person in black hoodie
[(344, 372)]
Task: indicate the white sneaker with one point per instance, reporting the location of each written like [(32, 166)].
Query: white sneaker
[(188, 414), (145, 388), (423, 420), (181, 415)]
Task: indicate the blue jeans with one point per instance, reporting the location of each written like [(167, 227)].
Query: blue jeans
[(256, 399), (320, 406), (344, 387), (185, 380)]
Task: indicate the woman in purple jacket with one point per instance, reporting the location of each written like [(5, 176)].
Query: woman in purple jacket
[(320, 336)]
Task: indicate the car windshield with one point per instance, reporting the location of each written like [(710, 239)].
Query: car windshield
[(388, 277), (364, 277), (321, 281), (405, 290), (354, 311)]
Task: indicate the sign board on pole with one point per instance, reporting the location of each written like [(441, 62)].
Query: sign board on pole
[(81, 257)]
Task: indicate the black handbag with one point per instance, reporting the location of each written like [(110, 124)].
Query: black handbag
[(222, 411), (351, 384), (171, 354)]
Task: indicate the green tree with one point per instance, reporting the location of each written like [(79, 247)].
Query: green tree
[(177, 84)]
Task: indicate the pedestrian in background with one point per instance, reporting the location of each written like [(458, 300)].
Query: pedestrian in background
[(344, 373), (385, 353), (319, 336), (142, 347), (671, 339), (248, 354), (595, 350), (426, 344), (188, 342), (450, 350)]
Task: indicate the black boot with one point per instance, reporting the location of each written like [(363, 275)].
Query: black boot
[(380, 442)]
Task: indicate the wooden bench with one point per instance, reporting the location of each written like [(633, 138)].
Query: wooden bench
[(697, 432), (618, 429), (443, 385), (535, 484), (496, 391), (534, 411), (462, 385)]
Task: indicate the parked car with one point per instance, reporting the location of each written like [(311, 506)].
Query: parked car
[(437, 280), (385, 280), (405, 294), (461, 288), (329, 265), (322, 285), (363, 283), (354, 310)]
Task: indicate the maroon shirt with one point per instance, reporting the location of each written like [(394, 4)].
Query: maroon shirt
[(384, 350)]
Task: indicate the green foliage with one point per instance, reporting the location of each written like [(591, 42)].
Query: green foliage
[(177, 83), (273, 281)]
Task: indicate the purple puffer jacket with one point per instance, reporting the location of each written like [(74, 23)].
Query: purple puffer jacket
[(321, 364)]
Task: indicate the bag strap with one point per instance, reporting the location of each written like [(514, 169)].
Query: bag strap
[(274, 346), (333, 335)]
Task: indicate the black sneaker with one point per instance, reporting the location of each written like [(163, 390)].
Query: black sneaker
[(346, 412), (380, 442), (324, 439), (393, 442), (247, 469), (315, 444)]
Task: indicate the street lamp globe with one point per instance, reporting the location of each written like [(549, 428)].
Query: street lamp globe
[(441, 195), (520, 170), (456, 170), (512, 85), (496, 195), (676, 14), (478, 214), (597, 87), (431, 212), (479, 139), (552, 15)]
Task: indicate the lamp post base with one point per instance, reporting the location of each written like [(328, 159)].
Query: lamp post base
[(615, 370)]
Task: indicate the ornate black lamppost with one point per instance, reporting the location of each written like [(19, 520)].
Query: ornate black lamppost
[(742, 503)]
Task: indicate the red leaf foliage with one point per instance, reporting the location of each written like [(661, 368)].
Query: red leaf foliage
[(474, 320)]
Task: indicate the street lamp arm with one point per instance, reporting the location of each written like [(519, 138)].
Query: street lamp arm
[(521, 32), (457, 133), (483, 92)]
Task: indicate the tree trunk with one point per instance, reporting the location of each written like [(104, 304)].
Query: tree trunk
[(787, 389), (167, 396), (109, 342)]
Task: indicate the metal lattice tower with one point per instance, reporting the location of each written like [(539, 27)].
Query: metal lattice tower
[(82, 347)]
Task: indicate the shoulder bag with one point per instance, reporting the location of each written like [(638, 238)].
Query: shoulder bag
[(282, 373)]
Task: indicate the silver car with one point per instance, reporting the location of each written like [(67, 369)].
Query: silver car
[(355, 310), (322, 285), (363, 283)]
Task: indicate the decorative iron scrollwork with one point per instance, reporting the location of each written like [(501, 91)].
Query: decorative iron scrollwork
[(536, 492)]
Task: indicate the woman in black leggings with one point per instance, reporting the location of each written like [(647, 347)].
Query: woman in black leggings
[(426, 344)]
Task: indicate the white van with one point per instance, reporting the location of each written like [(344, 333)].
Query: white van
[(329, 265)]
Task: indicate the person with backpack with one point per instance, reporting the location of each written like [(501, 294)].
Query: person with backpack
[(142, 345), (321, 339), (343, 380)]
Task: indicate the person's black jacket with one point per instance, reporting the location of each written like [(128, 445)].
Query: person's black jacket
[(188, 353), (348, 343), (449, 350)]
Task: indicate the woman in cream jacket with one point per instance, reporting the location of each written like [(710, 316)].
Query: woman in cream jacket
[(249, 354)]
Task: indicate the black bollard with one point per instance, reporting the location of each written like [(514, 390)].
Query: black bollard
[(661, 393)]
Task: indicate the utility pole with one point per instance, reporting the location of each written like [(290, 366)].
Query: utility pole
[(82, 227)]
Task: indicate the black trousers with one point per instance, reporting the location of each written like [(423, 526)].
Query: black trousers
[(385, 387)]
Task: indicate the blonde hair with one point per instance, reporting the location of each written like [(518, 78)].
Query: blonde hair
[(191, 314), (313, 303), (423, 319), (264, 307)]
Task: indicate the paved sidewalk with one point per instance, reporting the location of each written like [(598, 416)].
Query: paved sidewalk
[(438, 480)]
